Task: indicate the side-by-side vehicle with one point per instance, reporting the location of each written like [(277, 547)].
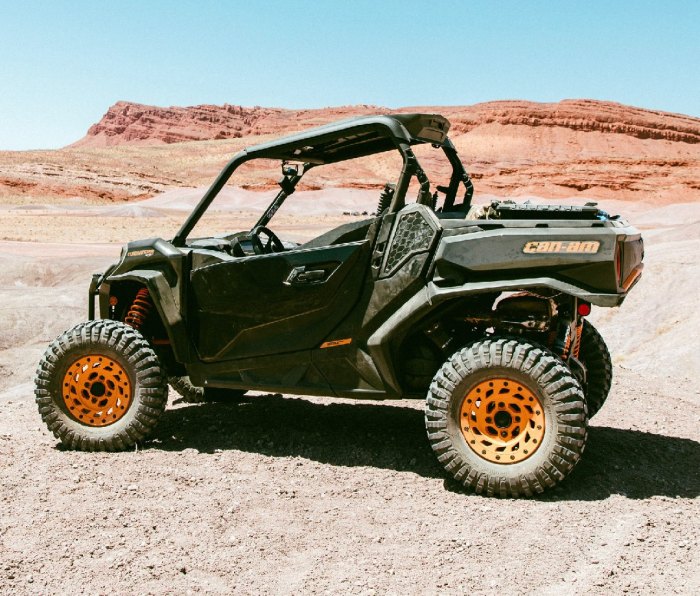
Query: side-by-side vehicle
[(480, 310)]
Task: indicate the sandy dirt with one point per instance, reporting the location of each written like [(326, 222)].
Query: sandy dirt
[(289, 495)]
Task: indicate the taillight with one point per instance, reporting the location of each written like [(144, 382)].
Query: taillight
[(584, 309)]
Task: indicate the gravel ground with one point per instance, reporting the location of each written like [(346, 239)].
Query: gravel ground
[(289, 495), (285, 495)]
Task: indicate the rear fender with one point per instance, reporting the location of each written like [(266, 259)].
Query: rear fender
[(395, 329)]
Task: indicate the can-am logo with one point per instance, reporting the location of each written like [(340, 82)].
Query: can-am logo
[(562, 246), (146, 252)]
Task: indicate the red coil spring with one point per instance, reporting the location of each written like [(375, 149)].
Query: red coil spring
[(567, 345), (140, 307), (577, 345)]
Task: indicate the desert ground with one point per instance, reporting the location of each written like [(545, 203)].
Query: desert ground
[(286, 495)]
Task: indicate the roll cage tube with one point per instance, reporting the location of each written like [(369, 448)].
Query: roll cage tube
[(411, 168), (288, 185), (192, 219), (459, 174)]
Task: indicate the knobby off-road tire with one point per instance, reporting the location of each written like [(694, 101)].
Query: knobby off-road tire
[(100, 387), (506, 418), (420, 364), (595, 357), (192, 394)]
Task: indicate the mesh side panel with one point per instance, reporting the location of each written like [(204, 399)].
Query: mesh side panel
[(413, 235)]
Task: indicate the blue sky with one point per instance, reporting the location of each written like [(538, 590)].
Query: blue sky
[(63, 63)]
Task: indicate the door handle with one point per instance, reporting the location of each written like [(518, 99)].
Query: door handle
[(311, 276), (302, 276)]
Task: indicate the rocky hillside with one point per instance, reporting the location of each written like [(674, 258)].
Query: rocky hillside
[(573, 148), (129, 123)]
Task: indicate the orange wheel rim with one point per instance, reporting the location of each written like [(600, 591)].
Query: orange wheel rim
[(97, 390), (502, 420)]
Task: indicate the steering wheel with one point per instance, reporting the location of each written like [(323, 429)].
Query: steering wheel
[(273, 243)]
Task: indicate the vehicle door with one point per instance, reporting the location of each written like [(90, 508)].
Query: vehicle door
[(275, 303)]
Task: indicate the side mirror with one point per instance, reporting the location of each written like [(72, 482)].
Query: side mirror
[(290, 169)]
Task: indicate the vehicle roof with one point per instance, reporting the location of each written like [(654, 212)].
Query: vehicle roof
[(355, 137)]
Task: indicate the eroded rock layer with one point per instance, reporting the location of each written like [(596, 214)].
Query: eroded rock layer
[(573, 148)]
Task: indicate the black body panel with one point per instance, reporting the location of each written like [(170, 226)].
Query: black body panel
[(276, 303), (513, 253)]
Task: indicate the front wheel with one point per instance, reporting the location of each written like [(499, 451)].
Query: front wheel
[(506, 418), (99, 386)]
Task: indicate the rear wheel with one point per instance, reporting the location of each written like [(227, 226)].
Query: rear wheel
[(99, 386), (420, 363), (192, 394), (506, 418), (595, 357)]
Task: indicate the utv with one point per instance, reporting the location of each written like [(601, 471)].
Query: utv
[(478, 310)]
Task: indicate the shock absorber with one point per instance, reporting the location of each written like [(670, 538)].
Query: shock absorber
[(562, 343), (577, 345), (139, 309), (583, 309)]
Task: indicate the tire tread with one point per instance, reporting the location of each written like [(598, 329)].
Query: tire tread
[(552, 377), (150, 391)]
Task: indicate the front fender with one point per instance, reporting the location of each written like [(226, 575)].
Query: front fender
[(165, 299)]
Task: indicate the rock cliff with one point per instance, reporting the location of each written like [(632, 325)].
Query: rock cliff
[(573, 148), (128, 123)]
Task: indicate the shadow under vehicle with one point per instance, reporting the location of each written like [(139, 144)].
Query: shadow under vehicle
[(479, 310)]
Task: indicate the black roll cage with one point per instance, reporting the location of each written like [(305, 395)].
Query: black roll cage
[(342, 141)]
